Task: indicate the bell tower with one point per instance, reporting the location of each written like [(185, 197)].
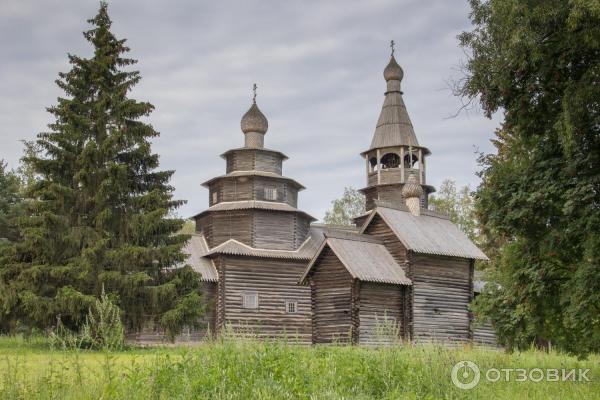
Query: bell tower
[(395, 153)]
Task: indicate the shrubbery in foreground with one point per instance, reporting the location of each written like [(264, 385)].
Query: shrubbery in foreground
[(252, 370)]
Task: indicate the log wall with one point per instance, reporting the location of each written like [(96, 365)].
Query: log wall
[(331, 291), (254, 160), (274, 230), (484, 334), (251, 188), (378, 228), (380, 313), (275, 281), (227, 225), (268, 162), (441, 295)]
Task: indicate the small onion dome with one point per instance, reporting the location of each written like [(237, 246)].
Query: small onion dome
[(254, 121), (393, 71), (412, 188)]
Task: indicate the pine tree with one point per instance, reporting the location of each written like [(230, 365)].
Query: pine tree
[(101, 211)]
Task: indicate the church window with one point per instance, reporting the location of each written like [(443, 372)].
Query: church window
[(250, 300), (270, 193), (291, 306), (215, 197)]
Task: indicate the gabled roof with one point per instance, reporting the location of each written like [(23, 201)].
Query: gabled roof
[(196, 249), (257, 204), (305, 252), (364, 257), (236, 174), (429, 233)]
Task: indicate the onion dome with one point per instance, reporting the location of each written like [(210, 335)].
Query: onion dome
[(254, 120), (412, 188), (393, 71)]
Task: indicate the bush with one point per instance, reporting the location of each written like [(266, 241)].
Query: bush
[(102, 329)]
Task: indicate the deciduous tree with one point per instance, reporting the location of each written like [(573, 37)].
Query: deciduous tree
[(344, 209), (538, 62)]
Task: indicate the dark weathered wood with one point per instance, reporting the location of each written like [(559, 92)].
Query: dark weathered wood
[(381, 313), (268, 161), (331, 287), (378, 228), (238, 225), (484, 334), (275, 281), (254, 160), (441, 293), (274, 230)]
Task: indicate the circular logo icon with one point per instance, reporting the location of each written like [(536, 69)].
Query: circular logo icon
[(465, 374)]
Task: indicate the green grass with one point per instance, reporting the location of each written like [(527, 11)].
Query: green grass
[(251, 370)]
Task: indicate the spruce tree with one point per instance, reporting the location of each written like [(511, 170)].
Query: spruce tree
[(10, 203), (101, 213)]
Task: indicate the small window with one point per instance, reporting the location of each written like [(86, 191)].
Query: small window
[(215, 197), (250, 300), (291, 306), (271, 193)]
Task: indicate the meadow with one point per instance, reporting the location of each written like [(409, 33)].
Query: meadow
[(246, 369)]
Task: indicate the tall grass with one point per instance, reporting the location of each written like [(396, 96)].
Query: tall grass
[(247, 369)]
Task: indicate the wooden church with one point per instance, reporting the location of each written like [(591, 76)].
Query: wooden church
[(402, 272)]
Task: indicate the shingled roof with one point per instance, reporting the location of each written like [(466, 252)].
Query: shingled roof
[(237, 174), (364, 257), (196, 250), (305, 252), (258, 204), (394, 127), (428, 233)]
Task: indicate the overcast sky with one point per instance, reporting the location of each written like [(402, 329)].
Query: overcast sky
[(318, 65)]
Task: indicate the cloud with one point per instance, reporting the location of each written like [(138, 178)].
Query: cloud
[(318, 66)]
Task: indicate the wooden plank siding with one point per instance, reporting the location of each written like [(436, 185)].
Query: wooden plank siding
[(251, 188), (254, 160), (286, 193), (378, 228), (204, 226), (274, 230), (441, 296), (302, 229), (484, 334), (268, 161), (275, 281), (331, 291), (238, 225), (380, 313)]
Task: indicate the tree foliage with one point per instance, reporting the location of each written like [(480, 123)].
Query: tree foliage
[(344, 209), (459, 205), (538, 62), (100, 211), (11, 204)]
